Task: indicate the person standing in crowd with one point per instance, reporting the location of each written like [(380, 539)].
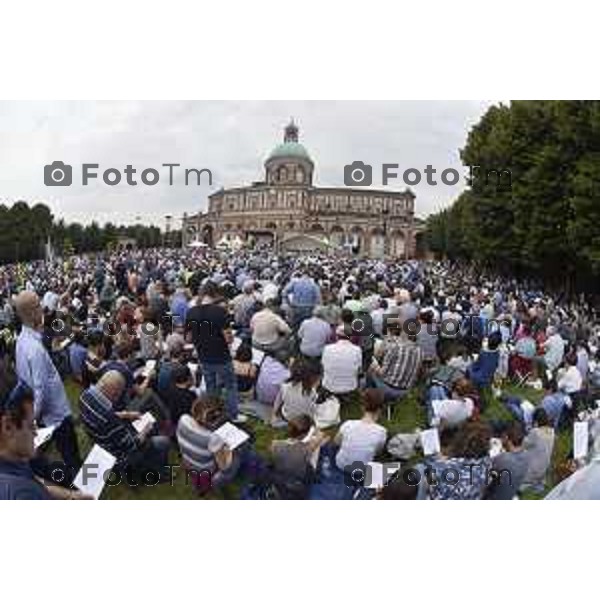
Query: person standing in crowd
[(36, 369), (209, 327), (303, 294)]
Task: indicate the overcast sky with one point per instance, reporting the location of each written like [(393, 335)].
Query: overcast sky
[(230, 138)]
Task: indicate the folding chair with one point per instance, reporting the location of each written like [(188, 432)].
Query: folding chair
[(521, 369)]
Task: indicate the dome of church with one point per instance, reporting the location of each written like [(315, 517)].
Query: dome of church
[(290, 150), (291, 147)]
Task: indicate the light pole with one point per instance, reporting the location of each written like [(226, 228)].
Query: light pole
[(167, 229), (384, 215)]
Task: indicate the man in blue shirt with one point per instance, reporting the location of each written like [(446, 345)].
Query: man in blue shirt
[(303, 295), (179, 306), (17, 432), (555, 403), (36, 369)]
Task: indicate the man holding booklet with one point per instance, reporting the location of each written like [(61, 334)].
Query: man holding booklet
[(125, 434), (17, 432)]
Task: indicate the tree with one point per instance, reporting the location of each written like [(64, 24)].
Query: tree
[(547, 224)]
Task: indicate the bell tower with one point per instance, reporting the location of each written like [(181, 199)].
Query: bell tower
[(289, 163), (290, 133)]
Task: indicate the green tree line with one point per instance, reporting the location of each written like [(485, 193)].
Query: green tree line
[(546, 224), (24, 231)]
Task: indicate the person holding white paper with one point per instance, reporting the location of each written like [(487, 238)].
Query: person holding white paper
[(17, 432), (463, 473), (203, 452), (295, 458), (509, 466), (114, 430)]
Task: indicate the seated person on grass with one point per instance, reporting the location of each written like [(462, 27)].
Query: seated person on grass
[(205, 455), (245, 371), (17, 432), (298, 395), (294, 459), (361, 440), (508, 467), (454, 411), (461, 472), (539, 445), (482, 371), (180, 395), (114, 430)]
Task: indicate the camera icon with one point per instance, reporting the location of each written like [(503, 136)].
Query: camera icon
[(57, 173), (61, 326), (358, 173), (361, 325), (357, 474)]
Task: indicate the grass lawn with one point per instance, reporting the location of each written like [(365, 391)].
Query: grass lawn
[(407, 416)]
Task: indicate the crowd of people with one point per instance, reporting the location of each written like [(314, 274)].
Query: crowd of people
[(199, 338)]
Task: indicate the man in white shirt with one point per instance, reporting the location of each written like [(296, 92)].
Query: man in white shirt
[(361, 440), (342, 362), (554, 349), (377, 317), (452, 412), (569, 379), (50, 299)]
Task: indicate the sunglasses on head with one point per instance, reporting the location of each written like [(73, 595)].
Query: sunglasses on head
[(16, 396)]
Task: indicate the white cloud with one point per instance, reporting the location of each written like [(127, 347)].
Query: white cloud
[(230, 138)]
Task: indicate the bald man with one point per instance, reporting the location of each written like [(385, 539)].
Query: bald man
[(35, 367), (114, 430)]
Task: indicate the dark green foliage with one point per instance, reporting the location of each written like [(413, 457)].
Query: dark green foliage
[(24, 231), (548, 223)]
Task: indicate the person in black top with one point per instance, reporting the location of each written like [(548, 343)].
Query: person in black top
[(208, 326), (179, 396)]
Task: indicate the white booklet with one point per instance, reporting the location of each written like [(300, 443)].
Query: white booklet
[(97, 466), (233, 436), (43, 435), (580, 439), (314, 459), (430, 441), (148, 368), (380, 474), (144, 422)]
